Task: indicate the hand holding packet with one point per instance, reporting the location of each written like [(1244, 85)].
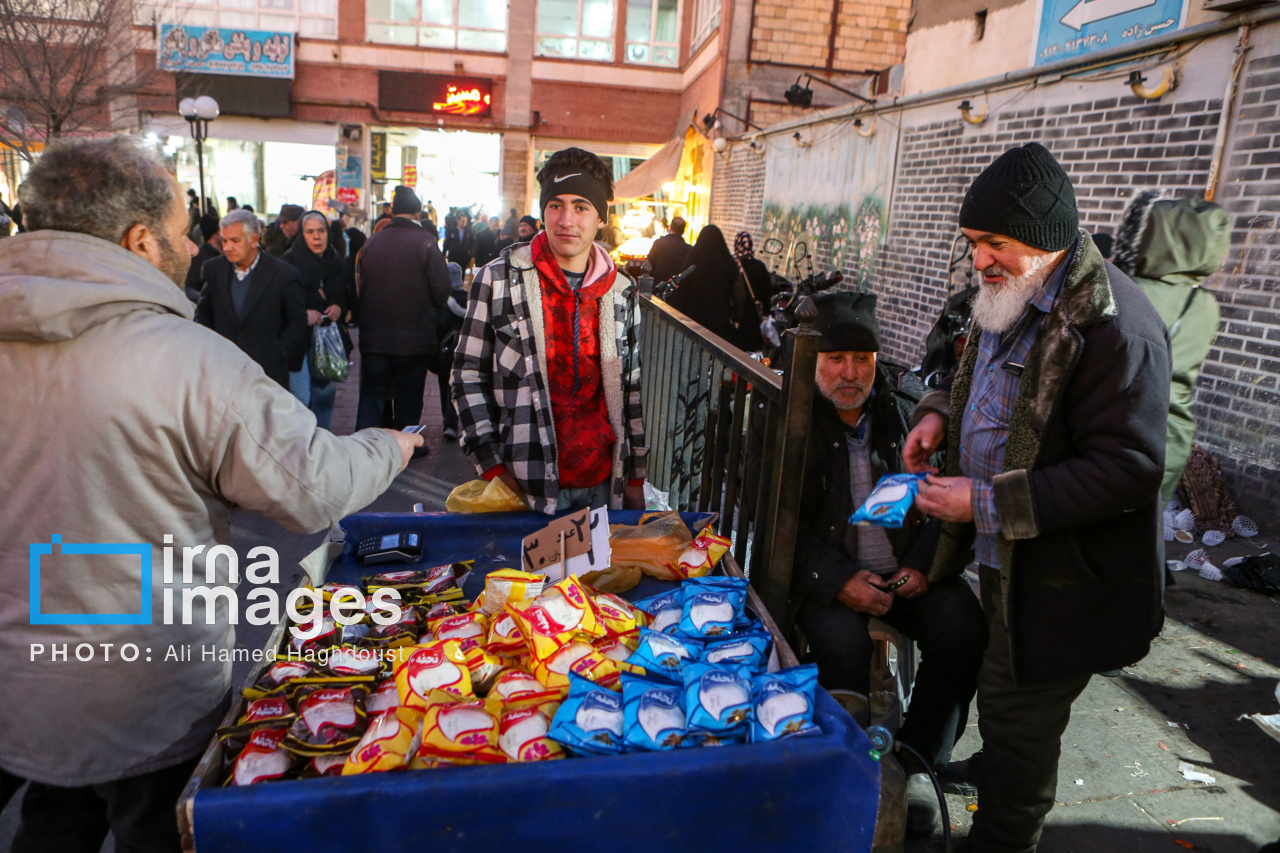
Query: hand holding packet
[(889, 501)]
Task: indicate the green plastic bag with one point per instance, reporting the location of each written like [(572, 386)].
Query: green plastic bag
[(328, 357)]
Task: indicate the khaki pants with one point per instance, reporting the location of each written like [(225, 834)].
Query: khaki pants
[(1021, 728)]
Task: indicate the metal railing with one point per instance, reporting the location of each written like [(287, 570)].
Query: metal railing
[(728, 435)]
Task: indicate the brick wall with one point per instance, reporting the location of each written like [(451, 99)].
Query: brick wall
[(737, 192), (869, 35), (1238, 404), (766, 114)]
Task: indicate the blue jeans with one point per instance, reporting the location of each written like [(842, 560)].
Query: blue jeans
[(322, 396), (300, 383)]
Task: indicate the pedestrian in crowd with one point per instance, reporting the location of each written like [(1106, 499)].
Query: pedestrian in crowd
[(323, 275), (338, 227), (715, 294), (431, 212), (280, 234), (459, 242), (554, 408), (505, 241), (450, 328), (254, 299), (248, 208), (193, 210), (404, 287), (6, 219), (526, 228), (384, 214), (668, 253), (511, 222), (1169, 247), (232, 204), (486, 241), (845, 574), (754, 271), (174, 427), (209, 249), (611, 235), (1054, 432)]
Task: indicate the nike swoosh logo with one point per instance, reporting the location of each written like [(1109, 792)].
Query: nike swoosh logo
[(566, 177)]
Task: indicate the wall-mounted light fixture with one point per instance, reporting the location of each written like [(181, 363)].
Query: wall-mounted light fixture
[(802, 96), (712, 120), (801, 141), (864, 128), (966, 113), (1167, 82)]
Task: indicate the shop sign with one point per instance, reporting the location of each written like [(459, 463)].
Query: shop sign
[(1070, 28), (410, 178), (224, 50), (349, 196), (463, 98), (378, 156)]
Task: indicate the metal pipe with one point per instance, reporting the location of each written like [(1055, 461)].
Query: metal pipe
[(1224, 118)]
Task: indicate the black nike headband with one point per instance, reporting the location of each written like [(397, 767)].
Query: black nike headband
[(571, 181)]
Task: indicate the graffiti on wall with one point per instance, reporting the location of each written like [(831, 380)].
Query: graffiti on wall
[(818, 238)]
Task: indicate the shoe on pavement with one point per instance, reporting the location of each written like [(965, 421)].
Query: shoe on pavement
[(961, 777), (450, 433), (922, 805), (419, 452)]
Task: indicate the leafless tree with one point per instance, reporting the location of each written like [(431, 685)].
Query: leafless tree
[(65, 66)]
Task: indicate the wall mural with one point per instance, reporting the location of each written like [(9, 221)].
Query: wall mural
[(827, 203)]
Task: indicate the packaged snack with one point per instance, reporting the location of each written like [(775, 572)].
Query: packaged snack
[(384, 697), (348, 661), (711, 606), (654, 546), (506, 585), (702, 555), (617, 614), (617, 648), (324, 765), (522, 732), (746, 650), (435, 666), (352, 634), (504, 636), (589, 720), (889, 501), (329, 635), (329, 720), (653, 712), (663, 654), (516, 685), (577, 657), (784, 703), (457, 727), (278, 675), (442, 609), (260, 764), (236, 738), (391, 740), (483, 666), (555, 618), (468, 629), (269, 709), (427, 586), (717, 699), (402, 632), (663, 610)]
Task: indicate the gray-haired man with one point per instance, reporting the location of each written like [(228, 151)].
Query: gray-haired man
[(254, 299), (126, 423)]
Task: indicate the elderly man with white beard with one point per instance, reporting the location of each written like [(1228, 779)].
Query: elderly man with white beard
[(1054, 435)]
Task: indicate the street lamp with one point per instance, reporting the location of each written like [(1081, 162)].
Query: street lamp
[(199, 112)]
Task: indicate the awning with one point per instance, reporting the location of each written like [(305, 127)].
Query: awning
[(647, 178)]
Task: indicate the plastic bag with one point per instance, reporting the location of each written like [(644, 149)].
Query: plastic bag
[(479, 496), (328, 357), (654, 546)]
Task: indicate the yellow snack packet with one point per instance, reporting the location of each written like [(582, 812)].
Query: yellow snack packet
[(618, 648), (435, 666), (583, 660), (522, 732), (617, 614), (484, 667), (504, 636), (466, 628), (457, 727), (506, 585), (516, 686), (702, 555), (555, 618), (388, 744)]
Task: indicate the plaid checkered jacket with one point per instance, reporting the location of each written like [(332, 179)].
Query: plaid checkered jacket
[(500, 379)]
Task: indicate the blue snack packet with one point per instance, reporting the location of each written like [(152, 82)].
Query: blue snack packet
[(717, 699), (746, 650), (664, 654), (589, 720), (889, 501), (664, 610), (653, 713), (783, 703), (712, 606)]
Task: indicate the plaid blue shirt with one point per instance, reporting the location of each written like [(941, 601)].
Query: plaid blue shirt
[(997, 377)]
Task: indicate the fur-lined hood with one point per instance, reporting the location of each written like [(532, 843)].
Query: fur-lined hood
[(1177, 241)]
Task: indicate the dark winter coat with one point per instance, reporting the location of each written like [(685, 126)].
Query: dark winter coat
[(485, 243), (273, 241), (404, 285), (274, 329), (667, 256), (1081, 546), (323, 277), (460, 250)]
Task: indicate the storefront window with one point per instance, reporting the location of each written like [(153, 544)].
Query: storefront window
[(706, 17), (651, 32), (311, 18), (576, 29), (448, 24)]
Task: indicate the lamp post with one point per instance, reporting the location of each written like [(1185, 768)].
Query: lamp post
[(199, 112)]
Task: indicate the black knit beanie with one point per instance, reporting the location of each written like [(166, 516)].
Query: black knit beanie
[(405, 200), (847, 321), (1025, 195)]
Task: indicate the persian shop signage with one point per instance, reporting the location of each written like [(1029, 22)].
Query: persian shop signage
[(463, 98), (224, 50)]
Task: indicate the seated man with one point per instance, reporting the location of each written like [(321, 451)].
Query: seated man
[(845, 574)]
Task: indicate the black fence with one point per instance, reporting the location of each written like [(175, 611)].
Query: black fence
[(727, 434)]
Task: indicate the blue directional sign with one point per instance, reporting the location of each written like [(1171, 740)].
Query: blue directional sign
[(1070, 28)]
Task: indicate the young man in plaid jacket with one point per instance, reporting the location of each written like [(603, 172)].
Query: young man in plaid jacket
[(546, 378)]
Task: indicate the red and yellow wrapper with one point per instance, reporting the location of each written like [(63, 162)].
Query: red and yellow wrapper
[(522, 732), (440, 665), (554, 619), (388, 744)]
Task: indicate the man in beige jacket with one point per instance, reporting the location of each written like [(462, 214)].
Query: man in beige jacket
[(125, 423)]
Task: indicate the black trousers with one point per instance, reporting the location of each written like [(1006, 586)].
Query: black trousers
[(948, 626), (399, 378), (138, 811)]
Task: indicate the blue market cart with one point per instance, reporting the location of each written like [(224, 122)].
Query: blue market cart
[(811, 794)]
